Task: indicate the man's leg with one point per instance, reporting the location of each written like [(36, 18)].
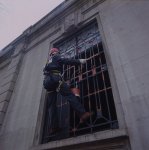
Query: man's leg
[(74, 102)]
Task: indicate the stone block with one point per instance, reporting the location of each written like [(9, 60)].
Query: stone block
[(2, 115), (12, 68), (5, 63), (16, 59), (18, 48), (10, 78), (3, 106), (5, 96), (14, 63), (7, 87), (11, 71)]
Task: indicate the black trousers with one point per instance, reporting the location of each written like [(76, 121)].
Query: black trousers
[(73, 100), (52, 82)]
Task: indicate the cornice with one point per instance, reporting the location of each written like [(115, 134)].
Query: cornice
[(56, 14), (58, 10), (4, 55)]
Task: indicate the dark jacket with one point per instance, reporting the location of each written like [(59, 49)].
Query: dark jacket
[(58, 62), (51, 80)]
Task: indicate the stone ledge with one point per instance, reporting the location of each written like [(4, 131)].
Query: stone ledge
[(84, 139)]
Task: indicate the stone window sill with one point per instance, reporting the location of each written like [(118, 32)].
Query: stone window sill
[(88, 138)]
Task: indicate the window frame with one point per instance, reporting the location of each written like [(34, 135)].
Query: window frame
[(121, 131)]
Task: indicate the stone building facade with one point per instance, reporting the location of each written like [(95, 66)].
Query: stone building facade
[(123, 34)]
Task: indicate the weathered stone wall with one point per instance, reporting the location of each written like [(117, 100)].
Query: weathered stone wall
[(125, 26), (3, 68)]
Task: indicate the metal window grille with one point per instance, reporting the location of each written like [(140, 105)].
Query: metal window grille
[(92, 79)]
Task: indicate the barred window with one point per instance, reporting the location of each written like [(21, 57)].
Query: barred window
[(93, 81)]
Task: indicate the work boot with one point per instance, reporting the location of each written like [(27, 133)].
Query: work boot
[(85, 116)]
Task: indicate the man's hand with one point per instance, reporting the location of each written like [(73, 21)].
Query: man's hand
[(82, 61)]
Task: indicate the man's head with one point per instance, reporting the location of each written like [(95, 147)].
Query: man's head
[(53, 51)]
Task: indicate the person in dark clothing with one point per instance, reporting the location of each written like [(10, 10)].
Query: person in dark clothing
[(53, 80)]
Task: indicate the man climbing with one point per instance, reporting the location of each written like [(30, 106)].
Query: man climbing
[(53, 80)]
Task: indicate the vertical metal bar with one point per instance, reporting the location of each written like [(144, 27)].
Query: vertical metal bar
[(88, 86), (90, 51), (95, 82), (106, 93), (73, 79), (99, 100)]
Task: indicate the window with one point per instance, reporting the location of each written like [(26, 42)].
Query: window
[(93, 81)]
